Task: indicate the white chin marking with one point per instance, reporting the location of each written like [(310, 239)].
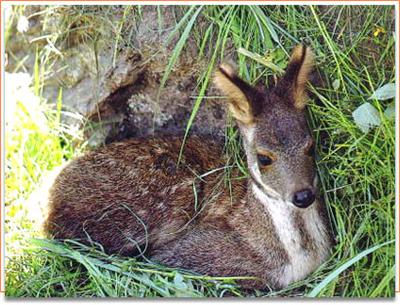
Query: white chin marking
[(300, 263)]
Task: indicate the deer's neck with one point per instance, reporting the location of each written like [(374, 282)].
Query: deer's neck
[(302, 233)]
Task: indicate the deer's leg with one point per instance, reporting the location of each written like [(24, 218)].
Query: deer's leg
[(215, 253)]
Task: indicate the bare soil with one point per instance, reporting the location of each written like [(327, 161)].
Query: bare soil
[(116, 90)]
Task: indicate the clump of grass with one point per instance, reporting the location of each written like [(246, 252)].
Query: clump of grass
[(36, 144), (78, 270), (356, 169)]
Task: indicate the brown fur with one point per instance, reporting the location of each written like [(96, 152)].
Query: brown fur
[(297, 75), (132, 198)]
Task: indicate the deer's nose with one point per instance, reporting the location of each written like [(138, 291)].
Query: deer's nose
[(303, 198)]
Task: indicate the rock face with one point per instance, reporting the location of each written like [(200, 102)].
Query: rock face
[(116, 87)]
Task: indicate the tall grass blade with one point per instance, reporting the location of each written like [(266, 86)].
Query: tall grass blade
[(316, 291), (177, 50), (266, 22), (384, 283), (258, 58)]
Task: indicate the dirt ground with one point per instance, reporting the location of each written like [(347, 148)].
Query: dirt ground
[(117, 90)]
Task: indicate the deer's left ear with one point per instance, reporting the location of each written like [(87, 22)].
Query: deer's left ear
[(244, 101), (297, 74)]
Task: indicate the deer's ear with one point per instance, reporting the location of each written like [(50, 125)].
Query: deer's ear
[(297, 74), (240, 94)]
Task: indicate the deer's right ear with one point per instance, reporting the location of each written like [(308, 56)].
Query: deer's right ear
[(238, 92)]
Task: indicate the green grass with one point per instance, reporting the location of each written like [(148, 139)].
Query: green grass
[(356, 169)]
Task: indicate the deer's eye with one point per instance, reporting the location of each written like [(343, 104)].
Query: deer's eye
[(264, 160)]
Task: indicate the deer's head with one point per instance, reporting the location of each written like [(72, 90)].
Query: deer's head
[(272, 122)]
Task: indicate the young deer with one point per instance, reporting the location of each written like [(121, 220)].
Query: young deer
[(133, 199)]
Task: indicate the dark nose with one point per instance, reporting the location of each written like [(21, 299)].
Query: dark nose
[(303, 198)]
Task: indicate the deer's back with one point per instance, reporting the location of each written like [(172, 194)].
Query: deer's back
[(130, 194)]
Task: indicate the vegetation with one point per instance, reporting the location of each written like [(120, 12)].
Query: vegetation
[(354, 47)]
